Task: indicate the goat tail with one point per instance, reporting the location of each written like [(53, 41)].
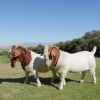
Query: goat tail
[(94, 50)]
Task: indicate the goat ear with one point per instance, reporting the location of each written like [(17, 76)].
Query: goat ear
[(13, 61), (54, 55), (50, 56), (49, 52)]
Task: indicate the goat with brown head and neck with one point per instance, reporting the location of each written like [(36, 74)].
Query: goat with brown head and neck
[(30, 62)]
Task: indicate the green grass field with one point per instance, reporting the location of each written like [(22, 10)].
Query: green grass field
[(12, 87)]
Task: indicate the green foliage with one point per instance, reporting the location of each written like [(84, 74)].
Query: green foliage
[(93, 38), (4, 52), (86, 42), (3, 56), (38, 49)]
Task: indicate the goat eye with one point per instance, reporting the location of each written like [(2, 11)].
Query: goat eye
[(13, 54)]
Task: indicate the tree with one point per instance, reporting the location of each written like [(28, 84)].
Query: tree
[(87, 42)]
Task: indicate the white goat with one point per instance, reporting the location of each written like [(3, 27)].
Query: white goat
[(66, 62)]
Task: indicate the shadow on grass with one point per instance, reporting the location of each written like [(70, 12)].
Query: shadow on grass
[(45, 81)]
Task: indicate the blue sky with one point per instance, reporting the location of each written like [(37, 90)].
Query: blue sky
[(46, 21)]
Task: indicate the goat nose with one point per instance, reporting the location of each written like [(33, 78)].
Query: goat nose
[(9, 56)]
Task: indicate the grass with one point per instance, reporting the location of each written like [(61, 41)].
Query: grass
[(3, 56), (12, 87), (4, 59)]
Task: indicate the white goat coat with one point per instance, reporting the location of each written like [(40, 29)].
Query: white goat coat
[(76, 62), (37, 64)]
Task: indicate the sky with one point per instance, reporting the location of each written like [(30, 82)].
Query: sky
[(47, 21)]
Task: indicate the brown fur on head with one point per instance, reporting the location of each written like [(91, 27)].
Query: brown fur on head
[(13, 54), (13, 61), (54, 54), (20, 53)]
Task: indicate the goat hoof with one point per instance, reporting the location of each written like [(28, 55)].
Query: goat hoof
[(38, 85), (25, 82), (94, 83), (81, 81), (64, 83), (60, 88)]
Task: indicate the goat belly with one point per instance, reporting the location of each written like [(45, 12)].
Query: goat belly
[(77, 65), (43, 68), (40, 65), (78, 69)]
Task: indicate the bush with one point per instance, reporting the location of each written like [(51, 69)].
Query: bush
[(38, 49), (3, 53)]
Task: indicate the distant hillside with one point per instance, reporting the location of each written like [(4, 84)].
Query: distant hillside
[(34, 44), (26, 45)]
